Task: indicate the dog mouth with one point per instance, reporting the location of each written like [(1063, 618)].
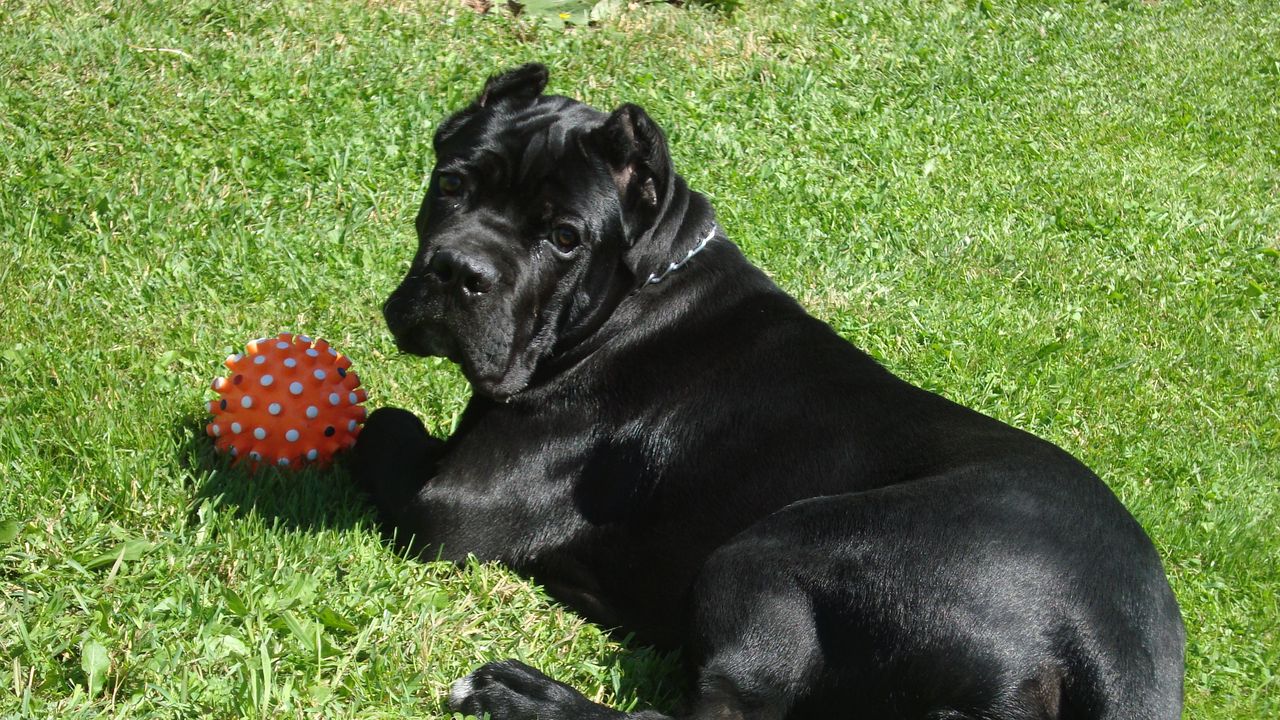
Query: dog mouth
[(488, 373), (484, 336), (428, 341)]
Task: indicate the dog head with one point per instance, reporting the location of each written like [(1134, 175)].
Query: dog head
[(541, 215)]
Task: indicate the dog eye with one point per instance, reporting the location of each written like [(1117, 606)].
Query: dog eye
[(449, 183), (565, 237)]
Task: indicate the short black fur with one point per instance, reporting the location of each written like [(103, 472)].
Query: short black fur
[(673, 446)]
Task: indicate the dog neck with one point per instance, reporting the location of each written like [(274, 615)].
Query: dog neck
[(587, 340), (655, 277)]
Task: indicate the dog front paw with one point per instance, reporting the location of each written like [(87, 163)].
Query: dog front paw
[(511, 690), (393, 455)]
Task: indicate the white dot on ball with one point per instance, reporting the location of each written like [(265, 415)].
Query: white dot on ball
[(333, 352), (312, 412), (260, 433), (267, 380), (334, 399), (313, 352), (351, 426), (291, 436), (283, 462), (208, 407), (259, 359), (236, 427), (218, 383), (304, 338), (246, 402), (312, 454), (282, 345), (290, 362), (234, 452), (295, 388), (216, 430), (319, 374), (255, 456), (274, 408), (353, 398)]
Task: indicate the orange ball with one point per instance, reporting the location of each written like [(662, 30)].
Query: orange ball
[(288, 401)]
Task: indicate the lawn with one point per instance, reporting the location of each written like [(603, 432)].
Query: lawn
[(1064, 215)]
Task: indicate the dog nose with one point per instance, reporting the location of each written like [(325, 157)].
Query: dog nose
[(459, 271)]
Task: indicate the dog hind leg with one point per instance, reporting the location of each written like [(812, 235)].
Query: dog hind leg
[(511, 690), (764, 654)]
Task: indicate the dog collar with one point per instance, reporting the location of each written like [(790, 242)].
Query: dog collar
[(657, 278)]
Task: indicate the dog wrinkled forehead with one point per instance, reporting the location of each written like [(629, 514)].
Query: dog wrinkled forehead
[(511, 124), (528, 139)]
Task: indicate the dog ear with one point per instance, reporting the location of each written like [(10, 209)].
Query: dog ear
[(635, 150), (525, 83)]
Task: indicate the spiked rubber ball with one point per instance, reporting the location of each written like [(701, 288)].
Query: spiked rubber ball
[(288, 401)]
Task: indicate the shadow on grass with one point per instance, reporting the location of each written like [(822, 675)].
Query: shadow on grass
[(314, 499), (659, 679), (309, 499)]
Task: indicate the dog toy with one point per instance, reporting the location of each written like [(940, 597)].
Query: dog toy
[(289, 401)]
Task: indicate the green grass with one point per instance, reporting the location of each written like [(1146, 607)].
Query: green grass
[(1064, 215)]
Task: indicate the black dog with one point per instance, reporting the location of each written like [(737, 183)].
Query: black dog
[(671, 445)]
